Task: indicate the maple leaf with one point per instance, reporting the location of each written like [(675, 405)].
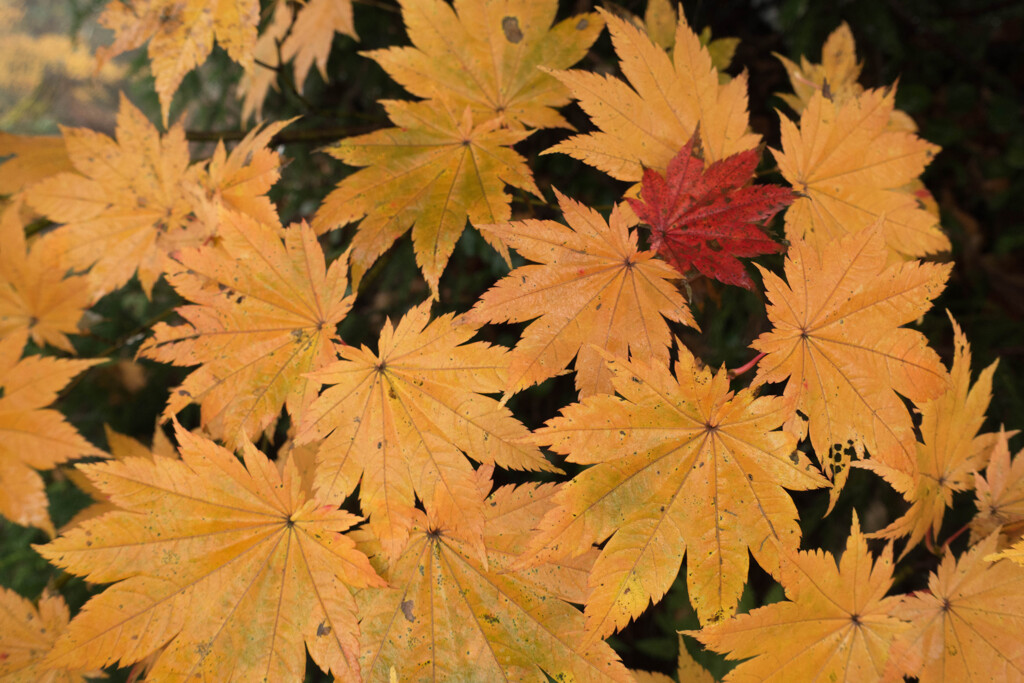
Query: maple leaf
[(660, 20), (264, 314), (485, 55), (849, 171), (207, 554), (31, 436), (835, 78), (645, 125), (240, 181), (313, 32), (181, 35), (968, 621), (838, 343), (836, 625), (705, 218), (125, 208), (34, 294), (688, 671), (431, 173), (447, 616), (951, 452), (1000, 493), (27, 633), (121, 447), (678, 462), (402, 418), (300, 35), (591, 288), (33, 157)]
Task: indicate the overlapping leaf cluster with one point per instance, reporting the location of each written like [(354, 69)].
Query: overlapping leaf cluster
[(374, 537)]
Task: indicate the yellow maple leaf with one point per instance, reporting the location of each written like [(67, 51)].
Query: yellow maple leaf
[(838, 72), (401, 419), (835, 78), (680, 465), (265, 307), (313, 32), (687, 671), (646, 123), (125, 208), (967, 624), (836, 626), (837, 341), (301, 35), (850, 171), (207, 556), (240, 181), (951, 450), (181, 34), (485, 55), (447, 616), (660, 20), (27, 633), (35, 296), (33, 437), (592, 288), (432, 172)]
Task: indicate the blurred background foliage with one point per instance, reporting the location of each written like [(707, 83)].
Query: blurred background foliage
[(960, 71)]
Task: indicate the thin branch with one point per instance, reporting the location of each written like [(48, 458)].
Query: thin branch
[(307, 136)]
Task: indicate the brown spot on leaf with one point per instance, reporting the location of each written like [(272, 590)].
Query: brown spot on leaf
[(510, 25)]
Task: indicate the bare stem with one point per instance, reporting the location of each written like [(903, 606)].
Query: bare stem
[(744, 368)]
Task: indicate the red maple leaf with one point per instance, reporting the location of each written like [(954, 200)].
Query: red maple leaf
[(705, 218)]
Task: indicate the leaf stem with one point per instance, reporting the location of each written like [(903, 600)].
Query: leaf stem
[(945, 546), (747, 366)]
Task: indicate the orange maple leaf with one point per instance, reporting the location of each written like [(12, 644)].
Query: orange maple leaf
[(850, 171), (485, 55), (837, 625), (1000, 493), (181, 35), (207, 554), (264, 314), (33, 157), (678, 463), (966, 624), (592, 288), (838, 343), (447, 616), (121, 447), (950, 453), (27, 633), (402, 418), (125, 208), (645, 126), (431, 173), (31, 436), (35, 296)]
